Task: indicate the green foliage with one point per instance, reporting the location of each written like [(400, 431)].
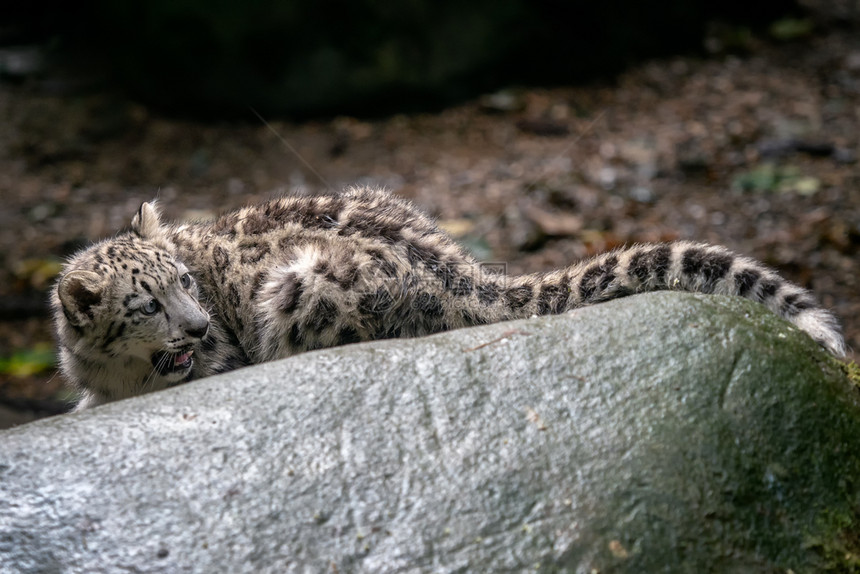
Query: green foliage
[(771, 177), (791, 28), (28, 362), (852, 370), (840, 553), (37, 273)]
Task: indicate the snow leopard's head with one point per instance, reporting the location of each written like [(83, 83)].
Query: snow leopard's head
[(127, 315)]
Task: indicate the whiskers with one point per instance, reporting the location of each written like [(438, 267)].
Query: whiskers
[(149, 383)]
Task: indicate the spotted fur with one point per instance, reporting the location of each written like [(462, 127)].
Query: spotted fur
[(302, 273)]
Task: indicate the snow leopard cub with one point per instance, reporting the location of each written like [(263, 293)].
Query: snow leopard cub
[(164, 304)]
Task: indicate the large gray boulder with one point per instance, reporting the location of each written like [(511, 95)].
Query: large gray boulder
[(659, 433)]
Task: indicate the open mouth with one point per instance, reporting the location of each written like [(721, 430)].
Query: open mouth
[(167, 363)]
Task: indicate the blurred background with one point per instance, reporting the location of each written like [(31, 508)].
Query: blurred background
[(537, 132)]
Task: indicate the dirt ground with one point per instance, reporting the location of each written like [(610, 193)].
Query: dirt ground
[(756, 151)]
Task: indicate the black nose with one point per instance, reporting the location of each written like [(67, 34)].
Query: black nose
[(197, 331)]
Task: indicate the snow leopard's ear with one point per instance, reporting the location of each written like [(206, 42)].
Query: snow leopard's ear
[(147, 222), (79, 292)]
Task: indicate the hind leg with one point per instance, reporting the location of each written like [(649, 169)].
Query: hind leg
[(309, 303)]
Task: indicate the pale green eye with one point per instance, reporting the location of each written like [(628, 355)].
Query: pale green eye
[(151, 307)]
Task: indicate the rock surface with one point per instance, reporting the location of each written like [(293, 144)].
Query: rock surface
[(664, 432)]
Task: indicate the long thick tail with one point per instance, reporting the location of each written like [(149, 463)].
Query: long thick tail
[(684, 266)]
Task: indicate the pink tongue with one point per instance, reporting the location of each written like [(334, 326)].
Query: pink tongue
[(182, 358)]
